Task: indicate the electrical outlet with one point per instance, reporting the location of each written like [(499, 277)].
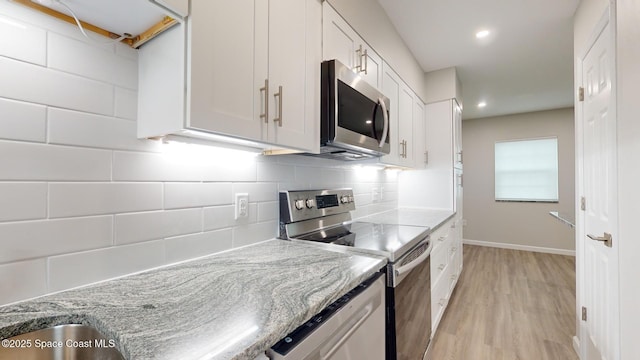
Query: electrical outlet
[(242, 205), (375, 196), (381, 193)]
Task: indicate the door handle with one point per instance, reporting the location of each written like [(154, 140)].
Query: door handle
[(359, 67), (366, 62), (607, 239)]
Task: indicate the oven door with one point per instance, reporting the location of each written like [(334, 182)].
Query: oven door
[(409, 302)]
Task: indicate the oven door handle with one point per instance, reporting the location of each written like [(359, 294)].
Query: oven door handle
[(408, 267), (385, 115)]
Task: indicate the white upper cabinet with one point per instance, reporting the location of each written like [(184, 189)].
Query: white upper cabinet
[(420, 155), (251, 71), (341, 42), (401, 98)]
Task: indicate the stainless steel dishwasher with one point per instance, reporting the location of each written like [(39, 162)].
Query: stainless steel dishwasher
[(353, 327)]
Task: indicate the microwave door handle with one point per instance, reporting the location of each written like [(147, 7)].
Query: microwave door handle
[(385, 115)]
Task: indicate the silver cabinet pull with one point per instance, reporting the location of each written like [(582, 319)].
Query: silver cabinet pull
[(359, 54), (366, 61), (266, 101), (607, 239), (279, 96)]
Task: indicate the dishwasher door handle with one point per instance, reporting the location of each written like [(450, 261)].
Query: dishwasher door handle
[(417, 261), (351, 327)]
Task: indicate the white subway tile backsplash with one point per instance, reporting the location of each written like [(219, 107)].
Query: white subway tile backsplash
[(268, 211), (91, 61), (30, 161), (33, 239), (138, 227), (22, 280), (182, 195), (132, 166), (22, 121), (103, 264), (126, 104), (275, 172), (258, 192), (78, 199), (219, 217), (230, 170), (78, 128), (23, 201), (191, 246), (33, 83), (254, 233), (22, 41)]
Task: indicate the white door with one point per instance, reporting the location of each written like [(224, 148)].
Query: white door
[(599, 281), (391, 89), (419, 134), (338, 39)]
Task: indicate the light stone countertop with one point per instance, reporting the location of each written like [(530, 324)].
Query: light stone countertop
[(432, 218), (231, 305)]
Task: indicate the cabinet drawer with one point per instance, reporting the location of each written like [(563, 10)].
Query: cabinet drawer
[(439, 300), (439, 263)]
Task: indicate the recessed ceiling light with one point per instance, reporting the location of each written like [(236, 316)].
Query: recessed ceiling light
[(482, 34), (482, 104)]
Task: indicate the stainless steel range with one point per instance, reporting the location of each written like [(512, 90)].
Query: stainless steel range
[(323, 218)]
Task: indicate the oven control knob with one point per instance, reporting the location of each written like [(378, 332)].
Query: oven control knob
[(350, 198), (299, 204), (344, 199), (310, 203)]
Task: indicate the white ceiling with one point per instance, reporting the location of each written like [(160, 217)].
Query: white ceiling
[(524, 65)]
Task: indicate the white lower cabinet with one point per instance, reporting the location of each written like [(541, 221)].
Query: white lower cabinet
[(241, 69), (446, 267)]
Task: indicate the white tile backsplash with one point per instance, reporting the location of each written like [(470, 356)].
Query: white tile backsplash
[(77, 199), (137, 227), (30, 161), (32, 239), (22, 280), (184, 195), (22, 41), (78, 190), (91, 61), (78, 128), (22, 121), (33, 83), (191, 246), (23, 201), (103, 264)]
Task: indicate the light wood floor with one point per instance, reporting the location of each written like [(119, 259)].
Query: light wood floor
[(509, 304)]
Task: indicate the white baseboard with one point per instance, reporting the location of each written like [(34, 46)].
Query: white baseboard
[(520, 247), (576, 345)]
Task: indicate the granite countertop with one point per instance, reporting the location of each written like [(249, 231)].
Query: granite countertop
[(231, 305), (432, 218)]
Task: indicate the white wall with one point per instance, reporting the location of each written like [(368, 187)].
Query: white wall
[(82, 200), (371, 22), (519, 224)]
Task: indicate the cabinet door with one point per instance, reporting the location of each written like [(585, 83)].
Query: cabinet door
[(338, 38), (419, 135), (228, 66), (289, 73), (391, 89), (341, 42), (405, 119), (371, 66)]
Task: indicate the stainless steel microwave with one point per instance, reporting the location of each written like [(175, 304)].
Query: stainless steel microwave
[(354, 115)]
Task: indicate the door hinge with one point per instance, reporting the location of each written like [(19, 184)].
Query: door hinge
[(584, 313), (581, 93), (583, 203)]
